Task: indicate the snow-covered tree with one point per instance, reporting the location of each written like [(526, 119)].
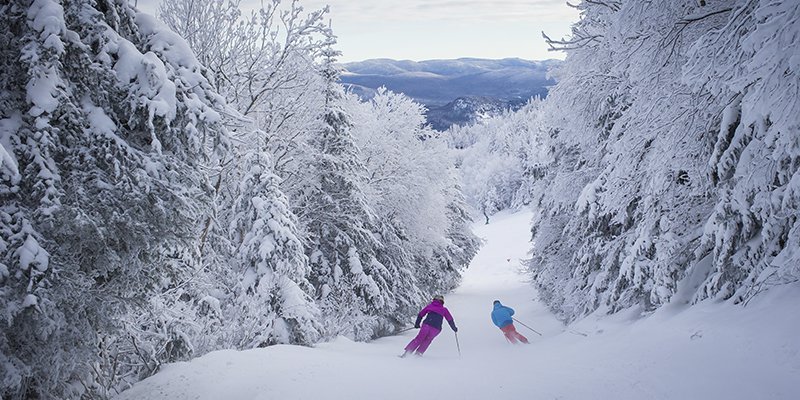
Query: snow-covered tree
[(341, 228), (118, 254), (264, 66), (250, 244), (271, 299), (412, 186), (498, 157), (752, 234), (663, 155), (658, 170), (634, 152), (107, 117)]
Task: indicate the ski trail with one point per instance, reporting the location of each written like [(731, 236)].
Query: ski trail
[(496, 274), (343, 369), (712, 350)]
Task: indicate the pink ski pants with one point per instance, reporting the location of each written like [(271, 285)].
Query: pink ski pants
[(423, 339), (512, 334)]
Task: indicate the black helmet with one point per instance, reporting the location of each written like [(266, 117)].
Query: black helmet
[(439, 298)]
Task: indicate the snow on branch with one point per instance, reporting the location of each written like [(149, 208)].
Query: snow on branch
[(579, 40), (612, 5), (673, 37)]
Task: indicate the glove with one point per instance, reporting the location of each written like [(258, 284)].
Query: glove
[(416, 326), (453, 325)]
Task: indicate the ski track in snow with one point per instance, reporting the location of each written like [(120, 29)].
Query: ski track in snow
[(714, 350)]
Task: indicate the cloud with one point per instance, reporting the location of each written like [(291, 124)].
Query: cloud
[(428, 29), (362, 11), (353, 12)]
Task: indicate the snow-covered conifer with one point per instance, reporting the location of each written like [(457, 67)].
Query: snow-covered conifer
[(272, 300), (341, 228), (107, 118)]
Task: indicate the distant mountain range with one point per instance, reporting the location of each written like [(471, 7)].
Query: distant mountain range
[(458, 91), (467, 110)]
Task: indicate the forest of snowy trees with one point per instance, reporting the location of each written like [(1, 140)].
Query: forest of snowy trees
[(663, 166), (200, 181)]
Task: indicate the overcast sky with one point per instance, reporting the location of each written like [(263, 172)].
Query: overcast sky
[(440, 29)]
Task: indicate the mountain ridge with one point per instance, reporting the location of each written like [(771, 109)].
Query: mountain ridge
[(467, 110), (438, 82), (441, 85)]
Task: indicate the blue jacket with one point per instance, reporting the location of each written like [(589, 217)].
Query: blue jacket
[(501, 316)]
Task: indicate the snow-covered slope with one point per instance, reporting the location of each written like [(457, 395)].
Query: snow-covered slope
[(714, 350)]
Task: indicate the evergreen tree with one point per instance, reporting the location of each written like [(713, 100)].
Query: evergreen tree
[(341, 228), (271, 300), (260, 292), (108, 121)]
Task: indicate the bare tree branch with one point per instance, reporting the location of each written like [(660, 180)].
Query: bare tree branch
[(672, 39)]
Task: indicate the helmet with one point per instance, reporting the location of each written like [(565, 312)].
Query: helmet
[(438, 298)]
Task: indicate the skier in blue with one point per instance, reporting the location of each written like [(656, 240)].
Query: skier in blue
[(501, 316)]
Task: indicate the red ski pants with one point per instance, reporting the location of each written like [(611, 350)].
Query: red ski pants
[(423, 339), (512, 334)]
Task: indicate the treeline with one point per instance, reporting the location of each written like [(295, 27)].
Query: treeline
[(170, 189), (663, 166)]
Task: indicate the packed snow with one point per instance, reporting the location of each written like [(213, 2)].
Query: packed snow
[(714, 350)]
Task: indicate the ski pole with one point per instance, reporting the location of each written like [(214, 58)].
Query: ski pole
[(404, 330), (457, 345), (534, 331)]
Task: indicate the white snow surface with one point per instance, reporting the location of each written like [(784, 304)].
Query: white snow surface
[(713, 350)]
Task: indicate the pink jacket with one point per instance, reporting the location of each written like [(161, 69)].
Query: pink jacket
[(436, 312)]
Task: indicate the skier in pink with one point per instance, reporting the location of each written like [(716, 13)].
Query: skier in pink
[(430, 327)]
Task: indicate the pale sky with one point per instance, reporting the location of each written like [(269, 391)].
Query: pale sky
[(439, 29)]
